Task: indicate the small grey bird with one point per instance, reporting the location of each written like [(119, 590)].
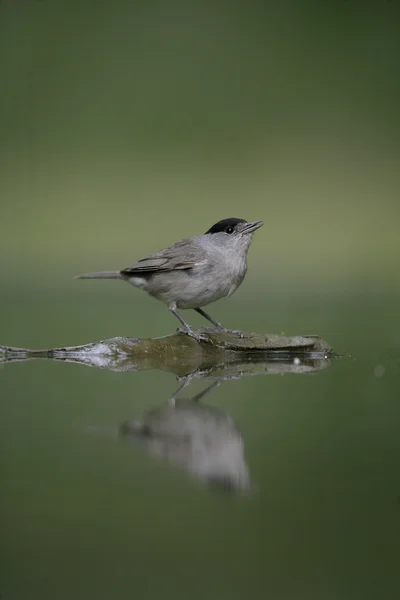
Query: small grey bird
[(194, 272)]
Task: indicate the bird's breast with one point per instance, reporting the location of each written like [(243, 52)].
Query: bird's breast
[(238, 274), (226, 275)]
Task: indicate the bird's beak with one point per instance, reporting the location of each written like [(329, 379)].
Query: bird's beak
[(250, 227)]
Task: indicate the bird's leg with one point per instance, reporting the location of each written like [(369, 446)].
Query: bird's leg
[(172, 308), (187, 329), (216, 324)]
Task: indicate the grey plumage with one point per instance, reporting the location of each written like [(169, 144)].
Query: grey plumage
[(194, 272)]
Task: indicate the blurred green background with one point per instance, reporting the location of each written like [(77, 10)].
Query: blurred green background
[(125, 126)]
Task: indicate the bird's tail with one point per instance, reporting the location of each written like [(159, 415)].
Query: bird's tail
[(101, 275)]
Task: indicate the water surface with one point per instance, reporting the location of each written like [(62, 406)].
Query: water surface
[(309, 508)]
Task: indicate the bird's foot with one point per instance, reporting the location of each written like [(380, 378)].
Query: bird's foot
[(196, 335)]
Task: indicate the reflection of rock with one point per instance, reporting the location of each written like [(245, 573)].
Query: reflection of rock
[(200, 439)]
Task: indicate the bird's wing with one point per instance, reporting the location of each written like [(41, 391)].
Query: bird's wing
[(181, 256)]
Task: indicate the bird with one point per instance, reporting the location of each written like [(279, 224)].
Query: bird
[(194, 272)]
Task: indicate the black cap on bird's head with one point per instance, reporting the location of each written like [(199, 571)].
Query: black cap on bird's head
[(234, 225)]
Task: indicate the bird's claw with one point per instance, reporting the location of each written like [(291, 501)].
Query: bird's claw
[(196, 335)]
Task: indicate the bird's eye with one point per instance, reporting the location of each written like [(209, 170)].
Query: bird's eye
[(229, 229)]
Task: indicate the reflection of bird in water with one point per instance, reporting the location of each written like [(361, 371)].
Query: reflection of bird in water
[(200, 439)]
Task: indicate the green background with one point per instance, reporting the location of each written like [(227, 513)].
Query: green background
[(125, 126)]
